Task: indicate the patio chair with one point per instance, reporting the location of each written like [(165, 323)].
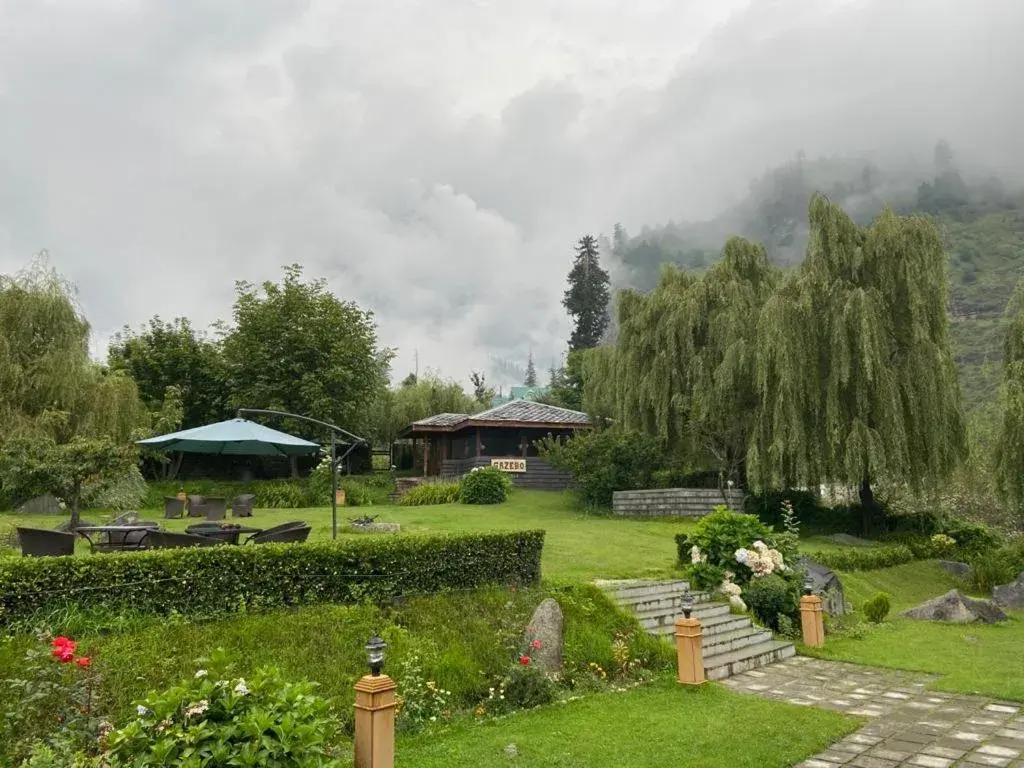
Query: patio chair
[(278, 529), (196, 505), (36, 542), (241, 506), (169, 540), (214, 531), (173, 507), (216, 508), (287, 536)]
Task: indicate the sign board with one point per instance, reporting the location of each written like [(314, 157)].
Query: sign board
[(509, 465)]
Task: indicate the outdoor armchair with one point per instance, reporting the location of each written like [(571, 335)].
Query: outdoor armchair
[(36, 542)]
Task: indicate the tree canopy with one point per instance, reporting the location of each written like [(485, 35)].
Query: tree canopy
[(417, 399), (296, 347)]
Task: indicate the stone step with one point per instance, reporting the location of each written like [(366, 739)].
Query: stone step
[(721, 665), (673, 606), (723, 642), (631, 590), (715, 625)]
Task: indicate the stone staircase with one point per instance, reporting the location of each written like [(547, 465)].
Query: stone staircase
[(731, 642)]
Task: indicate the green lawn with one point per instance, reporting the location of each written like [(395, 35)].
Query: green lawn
[(578, 546), (662, 724), (976, 658)]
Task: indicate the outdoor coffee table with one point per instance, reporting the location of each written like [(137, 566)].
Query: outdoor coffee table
[(229, 534), (88, 531)]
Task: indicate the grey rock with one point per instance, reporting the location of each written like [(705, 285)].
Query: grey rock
[(47, 504), (1010, 595), (954, 568), (126, 518), (828, 586), (546, 627), (956, 608)]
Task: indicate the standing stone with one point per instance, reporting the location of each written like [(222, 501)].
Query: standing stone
[(954, 568), (47, 504), (828, 587), (957, 609), (1010, 595), (545, 627)]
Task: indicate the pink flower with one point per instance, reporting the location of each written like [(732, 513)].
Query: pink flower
[(535, 644), (524, 660), (84, 662)]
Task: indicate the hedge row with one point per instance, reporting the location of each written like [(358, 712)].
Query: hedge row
[(865, 558), (360, 491), (225, 579)]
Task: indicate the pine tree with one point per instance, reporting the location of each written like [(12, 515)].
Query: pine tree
[(586, 299), (854, 369), (530, 379)]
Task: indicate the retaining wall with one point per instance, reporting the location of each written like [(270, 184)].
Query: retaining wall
[(674, 502)]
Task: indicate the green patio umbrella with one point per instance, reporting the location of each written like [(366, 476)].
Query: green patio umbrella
[(236, 437)]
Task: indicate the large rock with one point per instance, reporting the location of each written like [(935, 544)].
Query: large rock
[(545, 630), (953, 568), (957, 609), (1010, 595), (47, 504), (828, 587)]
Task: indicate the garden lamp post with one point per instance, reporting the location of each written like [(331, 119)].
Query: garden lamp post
[(687, 603), (335, 459), (808, 584), (375, 654)]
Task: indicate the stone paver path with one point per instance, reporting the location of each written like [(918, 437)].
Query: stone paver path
[(910, 725)]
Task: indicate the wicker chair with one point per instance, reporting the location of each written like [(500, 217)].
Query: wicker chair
[(169, 540), (278, 528), (196, 505), (287, 536), (241, 506), (36, 542), (214, 531), (173, 507)]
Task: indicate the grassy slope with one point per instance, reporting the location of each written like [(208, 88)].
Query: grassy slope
[(977, 658), (578, 546), (657, 725)]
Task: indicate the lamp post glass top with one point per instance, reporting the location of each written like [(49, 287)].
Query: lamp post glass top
[(375, 654), (687, 603), (808, 584)]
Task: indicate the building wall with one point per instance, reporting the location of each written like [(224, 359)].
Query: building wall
[(539, 475)]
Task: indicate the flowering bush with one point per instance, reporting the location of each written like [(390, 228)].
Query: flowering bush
[(53, 692), (419, 700), (773, 596), (761, 559), (717, 537), (943, 544), (211, 721)]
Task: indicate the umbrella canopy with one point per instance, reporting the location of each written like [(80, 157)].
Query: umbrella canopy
[(238, 437)]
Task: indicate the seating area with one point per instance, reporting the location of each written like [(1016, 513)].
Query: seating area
[(141, 535), (208, 507)]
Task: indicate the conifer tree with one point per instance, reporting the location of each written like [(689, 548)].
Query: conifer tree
[(530, 379), (586, 299)]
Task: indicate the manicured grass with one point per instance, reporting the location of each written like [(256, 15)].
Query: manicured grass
[(578, 546), (661, 724), (975, 658)]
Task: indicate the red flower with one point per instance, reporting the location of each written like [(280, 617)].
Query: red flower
[(524, 660), (535, 644), (63, 648), (64, 655), (60, 642), (84, 662)]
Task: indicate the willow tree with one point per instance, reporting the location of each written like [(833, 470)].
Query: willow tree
[(48, 384), (1009, 452), (684, 362), (854, 369)]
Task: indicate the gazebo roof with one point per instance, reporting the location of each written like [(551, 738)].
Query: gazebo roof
[(517, 413)]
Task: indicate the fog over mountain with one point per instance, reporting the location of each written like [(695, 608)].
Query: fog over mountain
[(436, 161)]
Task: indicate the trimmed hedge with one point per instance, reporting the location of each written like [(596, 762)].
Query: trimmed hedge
[(865, 558), (226, 579), (360, 491)]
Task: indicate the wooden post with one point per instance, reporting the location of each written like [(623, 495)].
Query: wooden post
[(811, 621), (522, 443), (375, 722), (689, 653), (479, 444), (426, 454)]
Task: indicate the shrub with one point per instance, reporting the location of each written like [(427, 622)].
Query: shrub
[(705, 577), (485, 485), (208, 581), (877, 608), (527, 686), (261, 721), (864, 558), (123, 493), (419, 700), (772, 596), (683, 546), (431, 493), (996, 567), (814, 517), (719, 535), (604, 461), (972, 539)]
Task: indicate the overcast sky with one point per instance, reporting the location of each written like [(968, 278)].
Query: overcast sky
[(436, 160)]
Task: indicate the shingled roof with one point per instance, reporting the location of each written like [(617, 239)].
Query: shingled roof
[(521, 413)]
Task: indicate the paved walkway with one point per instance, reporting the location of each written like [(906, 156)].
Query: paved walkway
[(911, 726)]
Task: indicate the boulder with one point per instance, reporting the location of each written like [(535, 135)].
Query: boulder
[(543, 636), (377, 527), (47, 504), (954, 568), (957, 609), (1010, 595), (828, 587)]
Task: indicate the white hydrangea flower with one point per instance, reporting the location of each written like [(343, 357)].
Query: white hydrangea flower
[(200, 673), (141, 710), (241, 688), (743, 556)]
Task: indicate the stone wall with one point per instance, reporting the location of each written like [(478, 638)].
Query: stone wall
[(674, 502)]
